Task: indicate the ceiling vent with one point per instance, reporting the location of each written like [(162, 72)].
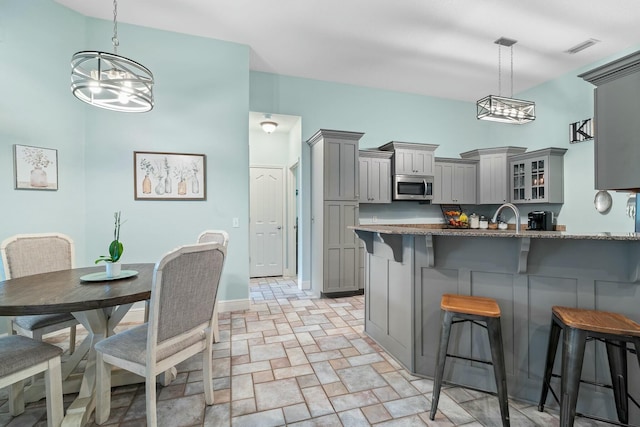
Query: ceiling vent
[(582, 46)]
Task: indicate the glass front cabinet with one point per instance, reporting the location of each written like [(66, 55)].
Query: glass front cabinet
[(537, 176)]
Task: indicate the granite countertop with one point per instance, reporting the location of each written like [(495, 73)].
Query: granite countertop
[(437, 230)]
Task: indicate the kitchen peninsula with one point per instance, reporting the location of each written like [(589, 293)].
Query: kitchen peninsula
[(409, 267)]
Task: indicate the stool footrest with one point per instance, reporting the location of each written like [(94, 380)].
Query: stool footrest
[(486, 362), (475, 322), (609, 386)]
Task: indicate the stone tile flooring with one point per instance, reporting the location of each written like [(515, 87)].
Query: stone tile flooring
[(299, 361)]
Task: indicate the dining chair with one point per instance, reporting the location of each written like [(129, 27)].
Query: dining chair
[(183, 293), (21, 358), (222, 237), (28, 254)]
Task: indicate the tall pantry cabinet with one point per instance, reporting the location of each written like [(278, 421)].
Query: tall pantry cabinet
[(335, 261)]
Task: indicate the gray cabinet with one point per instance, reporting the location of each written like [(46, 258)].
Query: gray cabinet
[(340, 164), (335, 258), (411, 158), (455, 181), (375, 176), (493, 170), (617, 102), (538, 176), (341, 247)]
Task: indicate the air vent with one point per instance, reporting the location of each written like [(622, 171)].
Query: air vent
[(581, 46)]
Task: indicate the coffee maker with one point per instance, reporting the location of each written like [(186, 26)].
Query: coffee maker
[(541, 220)]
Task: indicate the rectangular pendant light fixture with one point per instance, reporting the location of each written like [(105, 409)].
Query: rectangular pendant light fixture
[(498, 108)]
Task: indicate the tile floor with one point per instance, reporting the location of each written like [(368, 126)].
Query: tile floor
[(299, 361)]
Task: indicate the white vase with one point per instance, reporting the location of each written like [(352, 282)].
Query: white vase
[(113, 269)]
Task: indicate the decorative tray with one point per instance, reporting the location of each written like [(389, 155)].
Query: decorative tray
[(451, 215), (101, 276)]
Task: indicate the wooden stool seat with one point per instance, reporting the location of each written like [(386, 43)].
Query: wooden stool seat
[(597, 321), (479, 306)]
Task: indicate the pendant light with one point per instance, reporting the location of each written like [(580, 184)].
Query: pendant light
[(111, 81), (503, 109), (268, 125)]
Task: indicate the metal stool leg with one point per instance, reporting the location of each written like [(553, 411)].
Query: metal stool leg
[(445, 332), (572, 357), (617, 354), (554, 337), (497, 355)]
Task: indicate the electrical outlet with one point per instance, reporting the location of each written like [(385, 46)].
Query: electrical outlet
[(236, 223), (374, 218)]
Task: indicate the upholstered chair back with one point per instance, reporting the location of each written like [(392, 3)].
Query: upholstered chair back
[(27, 254)]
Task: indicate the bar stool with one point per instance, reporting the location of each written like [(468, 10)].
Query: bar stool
[(472, 309), (580, 326)]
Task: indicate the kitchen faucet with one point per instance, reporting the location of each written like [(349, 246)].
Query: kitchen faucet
[(515, 210)]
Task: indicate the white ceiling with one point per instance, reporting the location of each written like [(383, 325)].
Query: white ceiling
[(442, 48)]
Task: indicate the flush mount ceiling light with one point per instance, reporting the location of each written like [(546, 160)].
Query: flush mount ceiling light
[(268, 125), (581, 46), (503, 109), (111, 81)]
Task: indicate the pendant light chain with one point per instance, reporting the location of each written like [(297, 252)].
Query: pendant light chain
[(499, 70), (512, 71), (114, 39)]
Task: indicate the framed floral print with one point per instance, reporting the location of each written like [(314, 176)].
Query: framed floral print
[(169, 176), (35, 168)]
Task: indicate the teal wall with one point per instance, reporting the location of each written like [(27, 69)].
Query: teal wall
[(202, 106)]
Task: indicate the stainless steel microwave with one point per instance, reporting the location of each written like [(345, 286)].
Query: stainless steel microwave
[(412, 187)]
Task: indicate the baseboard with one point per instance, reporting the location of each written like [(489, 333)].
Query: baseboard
[(234, 305)]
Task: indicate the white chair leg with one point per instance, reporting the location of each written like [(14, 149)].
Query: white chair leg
[(16, 398), (53, 392), (150, 392), (207, 373), (103, 389), (72, 339), (216, 332)]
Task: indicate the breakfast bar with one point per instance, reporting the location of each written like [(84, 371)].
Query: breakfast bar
[(409, 267)]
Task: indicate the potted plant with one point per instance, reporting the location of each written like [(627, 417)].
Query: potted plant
[(115, 251)]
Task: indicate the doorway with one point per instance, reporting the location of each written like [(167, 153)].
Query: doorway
[(273, 250)]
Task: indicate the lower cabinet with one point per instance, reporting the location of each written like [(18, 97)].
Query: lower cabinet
[(341, 248)]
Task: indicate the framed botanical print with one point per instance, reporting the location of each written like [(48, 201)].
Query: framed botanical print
[(35, 168), (169, 176)]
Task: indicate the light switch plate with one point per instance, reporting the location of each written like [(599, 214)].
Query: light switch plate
[(236, 223)]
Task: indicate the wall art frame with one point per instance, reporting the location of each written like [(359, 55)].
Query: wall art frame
[(169, 176), (35, 168)]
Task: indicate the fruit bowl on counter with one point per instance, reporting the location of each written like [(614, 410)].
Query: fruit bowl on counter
[(454, 217)]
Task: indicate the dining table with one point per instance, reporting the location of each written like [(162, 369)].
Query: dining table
[(98, 303)]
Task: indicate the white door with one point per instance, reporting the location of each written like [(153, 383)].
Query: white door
[(266, 220)]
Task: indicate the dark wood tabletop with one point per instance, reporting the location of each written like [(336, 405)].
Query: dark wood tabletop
[(64, 292)]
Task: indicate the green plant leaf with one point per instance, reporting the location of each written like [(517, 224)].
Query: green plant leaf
[(115, 250)]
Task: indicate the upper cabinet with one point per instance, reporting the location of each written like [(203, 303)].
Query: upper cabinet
[(617, 128), (375, 176), (493, 170), (411, 158), (336, 155), (538, 176), (455, 181)]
